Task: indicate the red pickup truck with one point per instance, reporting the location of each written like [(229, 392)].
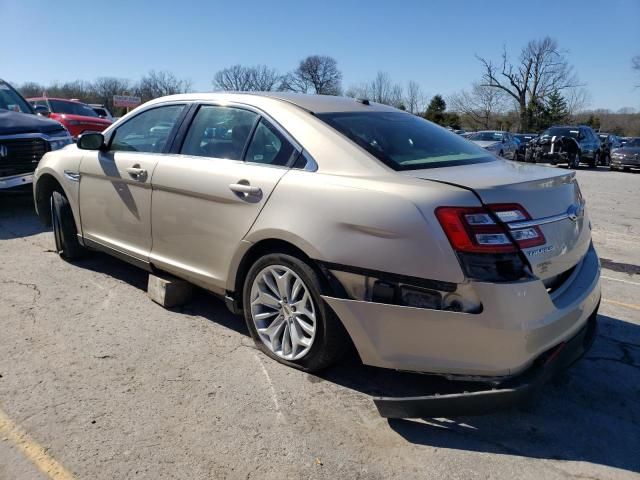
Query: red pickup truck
[(76, 116)]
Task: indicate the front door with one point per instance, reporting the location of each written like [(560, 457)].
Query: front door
[(206, 199), (115, 185)]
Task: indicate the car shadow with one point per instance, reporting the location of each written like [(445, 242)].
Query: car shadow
[(18, 217)]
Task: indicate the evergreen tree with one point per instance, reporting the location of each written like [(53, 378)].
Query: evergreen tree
[(436, 109), (555, 109)]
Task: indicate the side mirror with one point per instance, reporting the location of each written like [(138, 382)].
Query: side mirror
[(42, 110), (503, 140), (91, 141)]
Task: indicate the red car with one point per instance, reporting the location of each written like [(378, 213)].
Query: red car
[(77, 117)]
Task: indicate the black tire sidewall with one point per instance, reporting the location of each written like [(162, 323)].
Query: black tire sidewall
[(322, 352), (65, 227)]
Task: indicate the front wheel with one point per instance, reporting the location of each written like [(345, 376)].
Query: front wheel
[(287, 317), (593, 163), (64, 228)]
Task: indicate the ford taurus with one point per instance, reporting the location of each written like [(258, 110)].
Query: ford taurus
[(327, 221)]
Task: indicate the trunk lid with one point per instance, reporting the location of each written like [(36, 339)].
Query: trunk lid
[(546, 193)]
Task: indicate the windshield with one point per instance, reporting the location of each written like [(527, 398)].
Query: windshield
[(71, 108), (561, 132), (486, 136), (633, 143), (11, 100), (404, 141)]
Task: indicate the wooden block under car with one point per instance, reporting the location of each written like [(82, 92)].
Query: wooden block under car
[(168, 291)]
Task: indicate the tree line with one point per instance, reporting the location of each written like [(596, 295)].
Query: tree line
[(152, 85), (530, 91)]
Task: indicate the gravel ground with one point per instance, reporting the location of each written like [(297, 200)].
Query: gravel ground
[(113, 386)]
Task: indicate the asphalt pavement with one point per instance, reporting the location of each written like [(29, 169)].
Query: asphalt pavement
[(98, 382)]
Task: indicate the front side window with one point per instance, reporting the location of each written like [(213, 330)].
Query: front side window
[(269, 146), (148, 131), (219, 132), (404, 141), (71, 108)]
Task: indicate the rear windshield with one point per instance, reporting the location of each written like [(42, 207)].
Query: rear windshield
[(71, 108), (404, 141)]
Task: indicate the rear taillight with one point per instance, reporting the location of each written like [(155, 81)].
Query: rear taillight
[(474, 230)]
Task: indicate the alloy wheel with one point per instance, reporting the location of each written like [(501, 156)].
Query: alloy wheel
[(283, 312)]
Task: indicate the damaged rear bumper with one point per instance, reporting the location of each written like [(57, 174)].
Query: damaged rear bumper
[(513, 392)]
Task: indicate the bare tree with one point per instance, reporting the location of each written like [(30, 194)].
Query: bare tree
[(264, 79), (236, 78), (316, 74), (158, 84), (635, 64), (104, 88), (540, 69), (414, 98), (381, 90), (577, 100), (31, 89), (480, 105)]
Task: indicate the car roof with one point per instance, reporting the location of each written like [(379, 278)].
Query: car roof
[(54, 98), (309, 102)]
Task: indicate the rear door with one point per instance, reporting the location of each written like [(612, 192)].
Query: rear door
[(206, 196), (115, 185)]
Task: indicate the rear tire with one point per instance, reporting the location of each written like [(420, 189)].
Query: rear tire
[(64, 228), (277, 275)]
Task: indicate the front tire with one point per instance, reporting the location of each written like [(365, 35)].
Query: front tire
[(64, 228), (593, 163), (287, 317)]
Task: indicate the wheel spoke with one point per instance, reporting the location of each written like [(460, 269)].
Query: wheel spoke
[(283, 283), (266, 299), (270, 283), (304, 325)]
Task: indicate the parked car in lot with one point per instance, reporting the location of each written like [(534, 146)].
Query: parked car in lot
[(327, 220), (102, 111), (499, 143), (523, 140), (572, 145), (24, 138), (607, 143), (627, 156), (77, 117)]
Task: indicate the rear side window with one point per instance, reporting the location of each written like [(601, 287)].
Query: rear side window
[(404, 141), (219, 132), (269, 146), (148, 131)]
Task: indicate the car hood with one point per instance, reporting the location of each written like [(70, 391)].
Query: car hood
[(542, 191), (12, 123), (485, 143)]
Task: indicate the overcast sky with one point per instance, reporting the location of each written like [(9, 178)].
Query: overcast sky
[(432, 42)]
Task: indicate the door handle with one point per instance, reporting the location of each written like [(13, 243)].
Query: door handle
[(245, 189), (137, 173)]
